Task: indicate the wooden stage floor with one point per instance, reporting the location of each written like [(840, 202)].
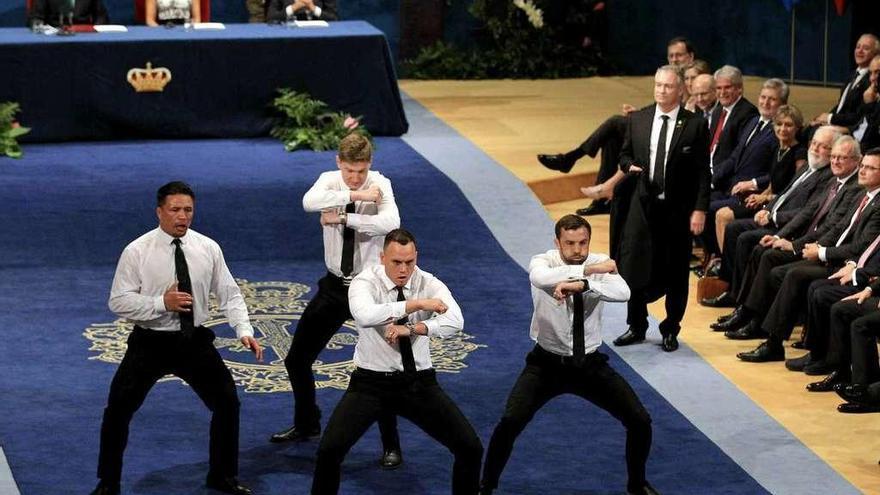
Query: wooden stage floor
[(512, 121)]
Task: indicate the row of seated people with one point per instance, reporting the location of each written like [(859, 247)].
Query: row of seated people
[(162, 12), (795, 224)]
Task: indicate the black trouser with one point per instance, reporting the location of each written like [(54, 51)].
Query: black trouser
[(670, 270), (419, 398), (793, 281), (854, 330), (152, 355), (822, 295), (549, 375), (323, 316), (607, 138), (760, 286)]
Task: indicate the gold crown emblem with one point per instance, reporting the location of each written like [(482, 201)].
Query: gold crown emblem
[(148, 80)]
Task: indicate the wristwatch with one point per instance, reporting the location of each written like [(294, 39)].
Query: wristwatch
[(411, 327), (343, 218)]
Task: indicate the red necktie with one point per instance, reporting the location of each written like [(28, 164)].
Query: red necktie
[(718, 130), (835, 187)]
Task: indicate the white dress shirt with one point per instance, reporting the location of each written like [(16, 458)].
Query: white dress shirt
[(372, 299), (655, 139), (371, 221), (552, 320), (146, 270)]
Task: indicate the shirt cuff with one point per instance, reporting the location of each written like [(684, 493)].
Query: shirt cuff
[(432, 325), (828, 120), (822, 254), (159, 304), (244, 330), (755, 183), (853, 282), (317, 11)]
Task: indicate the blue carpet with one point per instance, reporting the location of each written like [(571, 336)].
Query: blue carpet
[(69, 211)]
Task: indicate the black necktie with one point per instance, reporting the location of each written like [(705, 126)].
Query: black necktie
[(347, 263), (405, 343), (660, 155), (758, 129), (577, 328), (184, 284)]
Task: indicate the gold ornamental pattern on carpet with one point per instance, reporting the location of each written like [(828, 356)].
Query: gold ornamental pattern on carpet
[(275, 308)]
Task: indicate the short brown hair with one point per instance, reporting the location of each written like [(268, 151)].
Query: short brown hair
[(572, 222), (355, 148), (400, 236)]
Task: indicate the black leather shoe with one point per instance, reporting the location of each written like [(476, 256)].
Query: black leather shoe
[(723, 318), (764, 353), (748, 332), (737, 321), (556, 162), (391, 459), (819, 368), (106, 489), (799, 344), (670, 343), (827, 384), (644, 490), (295, 434), (598, 207), (798, 363), (228, 484), (853, 392), (855, 408), (631, 336), (724, 300), (485, 490)]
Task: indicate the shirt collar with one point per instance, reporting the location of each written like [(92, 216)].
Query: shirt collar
[(389, 284), (730, 108), (673, 114), (166, 238)]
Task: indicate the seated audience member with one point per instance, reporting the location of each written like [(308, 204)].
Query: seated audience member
[(845, 112), (691, 71), (703, 92), (867, 129), (789, 283), (826, 206), (171, 12), (57, 12), (281, 10), (747, 169), (775, 206), (608, 138)]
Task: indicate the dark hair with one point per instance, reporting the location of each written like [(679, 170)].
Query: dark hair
[(872, 152), (688, 46), (400, 236), (176, 187), (572, 222)]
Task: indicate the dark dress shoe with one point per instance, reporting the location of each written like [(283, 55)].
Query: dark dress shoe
[(827, 384), (819, 368), (106, 489), (295, 434), (748, 332), (853, 392), (799, 344), (737, 321), (391, 459), (228, 484), (485, 490), (644, 490), (723, 318), (855, 408), (558, 162), (797, 364), (670, 343), (724, 300), (631, 336), (764, 353), (598, 207)]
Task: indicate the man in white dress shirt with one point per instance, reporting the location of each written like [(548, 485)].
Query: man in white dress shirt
[(162, 284), (569, 285), (397, 308), (357, 210)]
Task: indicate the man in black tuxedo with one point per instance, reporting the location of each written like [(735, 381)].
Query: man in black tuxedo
[(83, 12), (846, 112), (281, 10), (665, 154), (845, 241)]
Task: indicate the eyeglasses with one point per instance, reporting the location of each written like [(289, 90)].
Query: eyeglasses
[(840, 157), (869, 167)]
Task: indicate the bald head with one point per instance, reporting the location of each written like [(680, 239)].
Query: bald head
[(703, 91)]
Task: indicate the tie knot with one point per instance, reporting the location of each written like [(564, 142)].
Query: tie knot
[(176, 241), (664, 117)]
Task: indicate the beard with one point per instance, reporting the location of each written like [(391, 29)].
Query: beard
[(815, 161)]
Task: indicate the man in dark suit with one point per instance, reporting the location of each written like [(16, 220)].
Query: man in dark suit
[(57, 12), (666, 151), (845, 241), (845, 112), (729, 118), (281, 10), (703, 91)]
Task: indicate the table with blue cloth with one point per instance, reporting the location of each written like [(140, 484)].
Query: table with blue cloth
[(222, 81)]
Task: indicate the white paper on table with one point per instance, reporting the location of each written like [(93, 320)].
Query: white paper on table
[(110, 28), (311, 24), (209, 25)]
